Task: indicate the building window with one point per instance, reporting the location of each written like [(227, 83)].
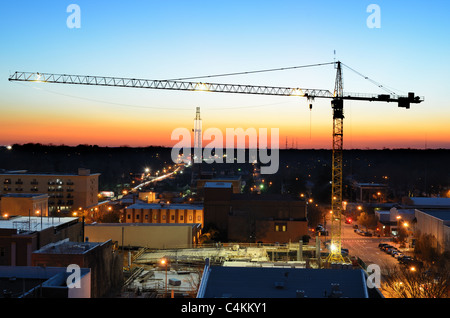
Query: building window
[(129, 216), (137, 216), (181, 218), (164, 217), (172, 217), (199, 218), (280, 227), (155, 217), (190, 217)]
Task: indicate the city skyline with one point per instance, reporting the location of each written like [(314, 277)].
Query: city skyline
[(164, 41)]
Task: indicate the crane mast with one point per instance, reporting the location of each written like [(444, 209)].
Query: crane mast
[(337, 104)]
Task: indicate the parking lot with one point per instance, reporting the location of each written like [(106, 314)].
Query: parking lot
[(367, 247)]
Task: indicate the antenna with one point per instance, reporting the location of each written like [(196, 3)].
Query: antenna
[(335, 59)]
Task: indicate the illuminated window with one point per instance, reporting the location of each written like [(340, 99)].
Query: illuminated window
[(280, 227)]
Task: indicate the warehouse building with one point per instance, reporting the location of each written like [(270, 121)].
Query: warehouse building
[(437, 224)]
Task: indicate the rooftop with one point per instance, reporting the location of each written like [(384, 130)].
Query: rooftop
[(67, 247), (218, 185), (141, 224), (81, 172), (443, 215), (259, 282), (34, 223), (25, 195), (165, 206), (427, 201)]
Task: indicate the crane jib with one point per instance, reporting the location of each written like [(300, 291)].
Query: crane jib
[(403, 101)]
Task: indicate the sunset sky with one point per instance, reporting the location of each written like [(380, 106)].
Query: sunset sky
[(173, 39)]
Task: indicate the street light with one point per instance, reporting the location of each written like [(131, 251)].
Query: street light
[(164, 262)]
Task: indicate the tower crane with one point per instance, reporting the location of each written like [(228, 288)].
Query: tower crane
[(337, 104)]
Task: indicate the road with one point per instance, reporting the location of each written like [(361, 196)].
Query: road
[(366, 248), (156, 179)]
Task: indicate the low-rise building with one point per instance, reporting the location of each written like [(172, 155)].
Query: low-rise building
[(67, 192), (105, 264), (164, 213), (435, 223), (266, 218), (44, 282), (20, 236), (23, 204), (151, 235), (266, 282)]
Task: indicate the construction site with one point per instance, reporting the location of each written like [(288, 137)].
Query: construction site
[(177, 272)]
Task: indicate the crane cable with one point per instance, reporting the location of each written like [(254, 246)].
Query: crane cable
[(370, 80), (250, 72)]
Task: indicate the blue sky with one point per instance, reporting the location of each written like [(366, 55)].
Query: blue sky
[(171, 39)]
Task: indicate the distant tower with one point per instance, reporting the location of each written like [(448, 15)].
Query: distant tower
[(197, 160), (197, 137)]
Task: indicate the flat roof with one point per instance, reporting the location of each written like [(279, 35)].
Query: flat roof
[(260, 282), (218, 185), (426, 201), (12, 173), (170, 206), (24, 195), (34, 223), (443, 215), (193, 225), (368, 184), (67, 247)]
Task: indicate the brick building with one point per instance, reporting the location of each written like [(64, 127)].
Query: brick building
[(263, 218), (20, 236), (164, 213), (67, 192), (105, 264)]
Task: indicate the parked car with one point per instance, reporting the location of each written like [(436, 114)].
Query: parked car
[(367, 234), (405, 260), (355, 226), (398, 255), (386, 247), (394, 252), (382, 245), (391, 250)]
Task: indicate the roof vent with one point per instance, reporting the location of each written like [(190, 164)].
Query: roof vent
[(300, 294), (335, 291), (279, 285)]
